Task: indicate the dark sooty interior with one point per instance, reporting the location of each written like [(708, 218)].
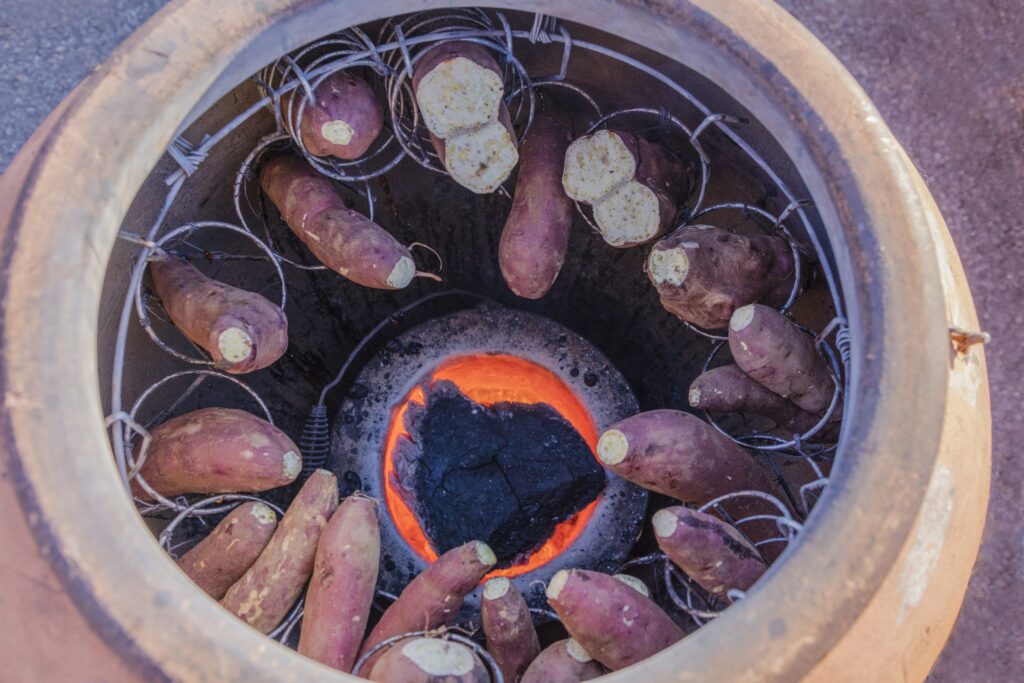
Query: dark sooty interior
[(602, 293), (505, 475)]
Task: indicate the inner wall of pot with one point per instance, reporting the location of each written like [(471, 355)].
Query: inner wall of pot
[(602, 293)]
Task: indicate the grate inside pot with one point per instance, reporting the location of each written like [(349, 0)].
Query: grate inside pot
[(400, 183)]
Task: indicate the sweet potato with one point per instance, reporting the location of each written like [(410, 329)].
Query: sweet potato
[(635, 186), (480, 159), (710, 551), (727, 389), (703, 273), (429, 660), (772, 350), (242, 331), (344, 583), (458, 86), (682, 456), (615, 623), (564, 661), (536, 233), (346, 119), (344, 240), (269, 589), (435, 597), (220, 559), (511, 638), (217, 450)]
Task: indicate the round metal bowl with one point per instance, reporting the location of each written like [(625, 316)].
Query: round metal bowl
[(881, 567)]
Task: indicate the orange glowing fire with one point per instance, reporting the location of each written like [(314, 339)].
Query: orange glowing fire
[(489, 379)]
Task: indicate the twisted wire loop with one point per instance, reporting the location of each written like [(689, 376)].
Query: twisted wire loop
[(452, 633), (287, 89), (315, 442)]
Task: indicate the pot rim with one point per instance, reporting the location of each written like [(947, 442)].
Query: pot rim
[(66, 217)]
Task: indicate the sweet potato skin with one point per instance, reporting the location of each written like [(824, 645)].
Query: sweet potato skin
[(724, 272), (558, 664), (429, 660), (220, 559), (217, 450), (269, 589), (346, 106), (435, 597), (511, 638), (536, 233), (203, 308), (711, 552), (343, 585), (728, 389), (615, 623), (772, 350), (344, 240)]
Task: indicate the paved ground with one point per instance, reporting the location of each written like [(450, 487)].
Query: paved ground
[(949, 79)]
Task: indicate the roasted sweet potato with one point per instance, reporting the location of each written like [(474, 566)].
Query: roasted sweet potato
[(218, 450), (344, 582), (346, 119), (458, 87), (344, 240), (435, 597), (703, 273), (727, 389), (771, 349), (429, 660), (220, 559), (511, 638), (265, 593), (564, 661), (242, 331), (635, 186), (536, 234), (711, 552), (615, 623), (480, 159), (682, 456)]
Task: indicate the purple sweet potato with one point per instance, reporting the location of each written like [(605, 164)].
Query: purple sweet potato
[(344, 240), (346, 119), (703, 273), (727, 389), (711, 552), (217, 450), (635, 186), (634, 583), (220, 559), (269, 589), (242, 331), (772, 350), (344, 582), (429, 660), (682, 456), (511, 638), (458, 87), (536, 233), (615, 623), (435, 597), (564, 661)]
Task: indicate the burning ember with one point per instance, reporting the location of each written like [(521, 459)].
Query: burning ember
[(493, 447), (504, 370)]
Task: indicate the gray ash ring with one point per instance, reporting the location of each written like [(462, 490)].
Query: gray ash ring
[(357, 443)]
